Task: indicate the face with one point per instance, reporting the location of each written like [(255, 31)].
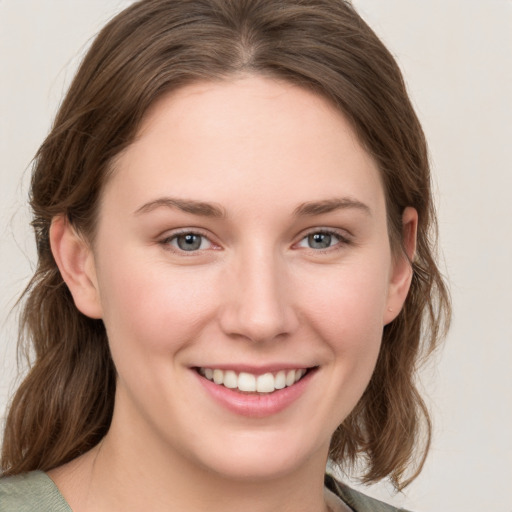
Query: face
[(243, 270)]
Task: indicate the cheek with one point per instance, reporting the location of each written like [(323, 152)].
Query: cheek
[(149, 308), (345, 314), (349, 306)]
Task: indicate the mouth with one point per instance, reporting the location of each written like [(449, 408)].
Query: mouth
[(245, 382)]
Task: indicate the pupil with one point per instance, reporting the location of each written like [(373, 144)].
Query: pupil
[(319, 240), (189, 242)]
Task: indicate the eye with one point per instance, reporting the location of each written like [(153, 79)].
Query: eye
[(321, 240), (188, 242)]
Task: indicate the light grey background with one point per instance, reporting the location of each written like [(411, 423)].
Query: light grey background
[(457, 60)]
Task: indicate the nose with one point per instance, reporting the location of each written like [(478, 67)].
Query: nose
[(257, 301)]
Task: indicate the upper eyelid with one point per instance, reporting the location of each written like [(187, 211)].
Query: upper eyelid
[(167, 236), (341, 233), (172, 233)]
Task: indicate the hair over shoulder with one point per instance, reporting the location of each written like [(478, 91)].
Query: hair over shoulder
[(64, 405)]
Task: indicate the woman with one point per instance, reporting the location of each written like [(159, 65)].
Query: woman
[(236, 277)]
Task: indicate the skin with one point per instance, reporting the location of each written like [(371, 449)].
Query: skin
[(255, 293)]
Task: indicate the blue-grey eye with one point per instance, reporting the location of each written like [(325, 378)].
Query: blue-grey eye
[(189, 242), (319, 240)]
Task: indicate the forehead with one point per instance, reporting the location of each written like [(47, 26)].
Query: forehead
[(253, 138)]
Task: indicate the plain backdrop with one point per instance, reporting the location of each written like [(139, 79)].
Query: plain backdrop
[(456, 56)]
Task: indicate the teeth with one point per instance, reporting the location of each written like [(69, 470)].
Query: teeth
[(218, 376), (280, 380), (246, 382), (230, 379), (266, 383), (290, 377)]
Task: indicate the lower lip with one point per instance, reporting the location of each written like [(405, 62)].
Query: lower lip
[(256, 405)]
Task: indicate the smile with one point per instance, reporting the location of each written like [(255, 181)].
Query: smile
[(250, 383)]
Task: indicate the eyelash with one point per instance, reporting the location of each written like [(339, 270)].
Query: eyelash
[(167, 242), (342, 240)]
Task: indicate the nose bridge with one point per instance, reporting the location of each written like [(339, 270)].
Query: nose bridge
[(258, 306)]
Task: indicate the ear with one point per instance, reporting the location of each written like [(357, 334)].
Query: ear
[(75, 260), (401, 273)]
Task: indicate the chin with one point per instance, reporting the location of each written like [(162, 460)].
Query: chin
[(265, 457)]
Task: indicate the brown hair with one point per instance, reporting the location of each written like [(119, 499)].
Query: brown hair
[(64, 405)]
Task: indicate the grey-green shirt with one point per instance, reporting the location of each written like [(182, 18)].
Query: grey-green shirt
[(31, 492), (36, 492)]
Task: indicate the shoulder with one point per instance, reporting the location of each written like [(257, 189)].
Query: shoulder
[(356, 500), (30, 492)]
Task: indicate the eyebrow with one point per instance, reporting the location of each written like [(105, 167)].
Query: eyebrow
[(330, 205), (205, 209), (186, 205)]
